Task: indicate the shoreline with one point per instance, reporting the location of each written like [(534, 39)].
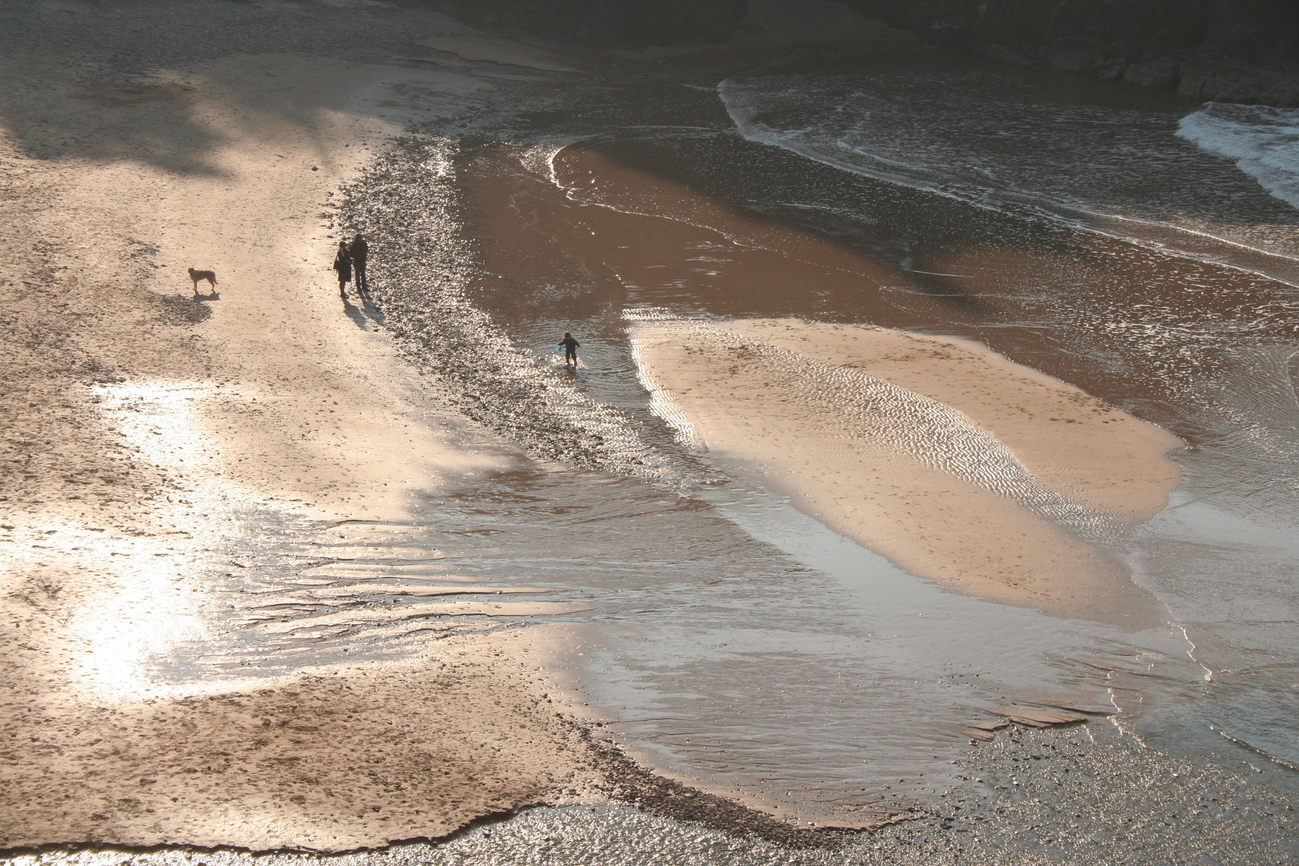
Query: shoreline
[(211, 496), (253, 400)]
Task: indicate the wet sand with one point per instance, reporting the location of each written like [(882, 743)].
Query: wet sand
[(163, 438), (935, 452), (155, 432), (972, 471)]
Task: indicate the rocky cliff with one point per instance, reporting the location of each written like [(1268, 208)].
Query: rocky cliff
[(1222, 50), (625, 23)]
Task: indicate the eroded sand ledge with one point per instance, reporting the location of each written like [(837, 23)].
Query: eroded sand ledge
[(937, 453)]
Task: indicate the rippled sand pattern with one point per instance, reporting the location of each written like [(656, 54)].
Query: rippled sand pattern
[(908, 476)]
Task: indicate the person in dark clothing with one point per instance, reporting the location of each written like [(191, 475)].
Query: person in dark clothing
[(570, 349), (359, 251), (343, 264)]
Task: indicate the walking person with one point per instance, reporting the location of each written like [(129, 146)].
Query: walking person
[(343, 264), (359, 251), (570, 349)]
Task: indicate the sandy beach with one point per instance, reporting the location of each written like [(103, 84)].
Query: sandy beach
[(153, 426), (144, 421), (795, 565), (934, 452)]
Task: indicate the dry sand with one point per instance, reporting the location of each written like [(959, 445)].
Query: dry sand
[(942, 456), (141, 421)]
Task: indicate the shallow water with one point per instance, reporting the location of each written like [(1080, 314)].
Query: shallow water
[(726, 636), (1151, 273), (1063, 223)]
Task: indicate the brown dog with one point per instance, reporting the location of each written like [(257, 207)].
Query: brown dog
[(210, 276)]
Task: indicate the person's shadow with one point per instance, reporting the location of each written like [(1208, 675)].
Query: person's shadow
[(363, 315), (357, 316), (372, 309)]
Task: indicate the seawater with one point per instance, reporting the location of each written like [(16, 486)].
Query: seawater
[(1221, 375), (1263, 141), (733, 640)]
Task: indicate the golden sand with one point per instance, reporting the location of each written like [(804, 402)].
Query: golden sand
[(942, 456)]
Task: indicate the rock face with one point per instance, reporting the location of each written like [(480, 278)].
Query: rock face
[(630, 23), (1221, 50)]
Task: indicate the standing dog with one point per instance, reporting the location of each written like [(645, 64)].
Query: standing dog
[(210, 276)]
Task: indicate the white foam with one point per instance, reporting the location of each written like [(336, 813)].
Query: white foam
[(1264, 142), (745, 107), (878, 140)]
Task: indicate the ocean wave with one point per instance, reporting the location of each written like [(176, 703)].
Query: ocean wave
[(1036, 155), (1263, 141)]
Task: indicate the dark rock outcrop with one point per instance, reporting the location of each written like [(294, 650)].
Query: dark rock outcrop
[(627, 23), (1222, 50)]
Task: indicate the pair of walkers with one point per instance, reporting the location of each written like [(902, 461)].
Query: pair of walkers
[(352, 257)]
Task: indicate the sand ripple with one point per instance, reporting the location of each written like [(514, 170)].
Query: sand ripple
[(913, 477)]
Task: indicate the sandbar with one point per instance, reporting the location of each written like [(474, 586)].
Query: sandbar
[(949, 460)]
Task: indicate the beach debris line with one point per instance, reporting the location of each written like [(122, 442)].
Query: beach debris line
[(408, 199)]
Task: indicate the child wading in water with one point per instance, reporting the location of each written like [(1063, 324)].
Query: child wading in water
[(570, 349)]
